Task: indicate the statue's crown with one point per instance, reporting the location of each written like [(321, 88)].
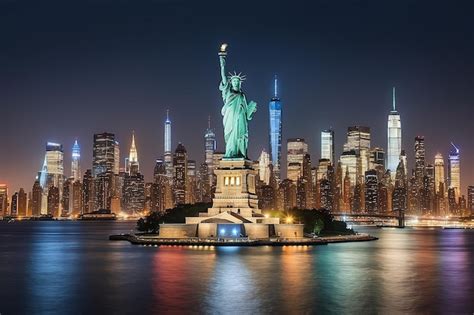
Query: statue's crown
[(240, 76)]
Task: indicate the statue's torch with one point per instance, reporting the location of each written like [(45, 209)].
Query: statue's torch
[(223, 50)]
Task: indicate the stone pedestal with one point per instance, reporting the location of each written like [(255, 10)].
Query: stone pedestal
[(235, 188)]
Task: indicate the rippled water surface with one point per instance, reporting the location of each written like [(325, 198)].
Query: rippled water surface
[(71, 267)]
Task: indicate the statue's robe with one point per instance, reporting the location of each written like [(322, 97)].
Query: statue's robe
[(236, 113)]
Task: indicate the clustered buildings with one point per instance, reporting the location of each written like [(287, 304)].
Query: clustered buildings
[(364, 179)]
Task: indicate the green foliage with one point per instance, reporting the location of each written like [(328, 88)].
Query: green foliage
[(151, 223), (319, 221)]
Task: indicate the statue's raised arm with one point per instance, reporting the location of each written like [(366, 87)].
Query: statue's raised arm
[(222, 56)]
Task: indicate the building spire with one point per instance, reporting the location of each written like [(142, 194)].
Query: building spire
[(393, 99), (167, 115), (133, 157), (276, 87), (209, 122)]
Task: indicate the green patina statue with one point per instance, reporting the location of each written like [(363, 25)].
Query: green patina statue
[(236, 111)]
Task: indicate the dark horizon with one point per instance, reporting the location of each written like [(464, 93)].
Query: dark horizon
[(69, 71)]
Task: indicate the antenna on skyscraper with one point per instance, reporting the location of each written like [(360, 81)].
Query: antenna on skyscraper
[(393, 99), (276, 86), (209, 122)]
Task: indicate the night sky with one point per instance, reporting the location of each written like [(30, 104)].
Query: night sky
[(72, 70)]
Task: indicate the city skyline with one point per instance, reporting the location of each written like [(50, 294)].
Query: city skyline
[(318, 80)]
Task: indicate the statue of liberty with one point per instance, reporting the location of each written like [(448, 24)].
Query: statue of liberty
[(236, 111)]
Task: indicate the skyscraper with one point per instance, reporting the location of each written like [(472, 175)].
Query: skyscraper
[(371, 191), (439, 173), (191, 182), (133, 167), (275, 131), (22, 202), (75, 166), (454, 171), (3, 199), (470, 200), (419, 160), (210, 146), (394, 138), (14, 205), (52, 173), (36, 196), (104, 154), (133, 193), (327, 145), (297, 149), (53, 201), (358, 140), (180, 161), (264, 167), (168, 156)]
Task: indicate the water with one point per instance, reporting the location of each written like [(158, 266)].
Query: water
[(71, 267)]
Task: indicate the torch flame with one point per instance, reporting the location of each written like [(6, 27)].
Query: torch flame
[(223, 47)]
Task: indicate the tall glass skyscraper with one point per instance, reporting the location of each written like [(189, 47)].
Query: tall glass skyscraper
[(210, 146), (394, 138), (327, 145), (419, 160), (52, 173), (168, 156), (439, 173), (104, 154), (454, 171), (75, 167), (275, 131)]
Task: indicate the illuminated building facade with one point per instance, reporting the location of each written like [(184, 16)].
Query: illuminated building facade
[(133, 194), (53, 201), (371, 191), (75, 161), (327, 145), (358, 140), (133, 166), (180, 161), (351, 162), (104, 154), (210, 146), (454, 171), (419, 160), (36, 196), (439, 173), (264, 167), (52, 172), (3, 200), (297, 148), (191, 182), (394, 137), (168, 156), (275, 131), (470, 200)]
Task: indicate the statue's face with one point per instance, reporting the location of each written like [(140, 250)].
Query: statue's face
[(235, 82)]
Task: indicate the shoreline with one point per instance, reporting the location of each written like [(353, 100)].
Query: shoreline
[(156, 241)]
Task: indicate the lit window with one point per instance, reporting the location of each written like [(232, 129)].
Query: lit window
[(232, 181), (226, 181), (237, 180)]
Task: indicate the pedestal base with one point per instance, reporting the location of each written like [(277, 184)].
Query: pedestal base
[(235, 188)]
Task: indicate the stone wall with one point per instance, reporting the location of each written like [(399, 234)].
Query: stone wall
[(178, 230), (289, 230), (207, 230), (256, 230)]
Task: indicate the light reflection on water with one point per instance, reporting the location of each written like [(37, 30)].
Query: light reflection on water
[(71, 266)]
